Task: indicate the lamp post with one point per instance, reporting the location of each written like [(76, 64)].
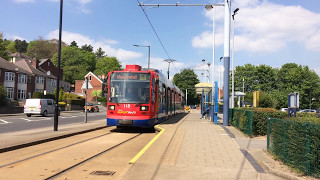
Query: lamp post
[(232, 96), (205, 71), (148, 53), (55, 120), (220, 83), (169, 61)]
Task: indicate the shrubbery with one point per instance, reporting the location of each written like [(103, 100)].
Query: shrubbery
[(261, 115), (3, 96)]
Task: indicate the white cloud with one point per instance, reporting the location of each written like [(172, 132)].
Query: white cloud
[(266, 27), (13, 37), (24, 1), (123, 55)]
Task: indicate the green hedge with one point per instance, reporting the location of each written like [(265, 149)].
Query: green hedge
[(261, 115), (296, 143)]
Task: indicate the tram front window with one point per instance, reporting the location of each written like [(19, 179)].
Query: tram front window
[(130, 88)]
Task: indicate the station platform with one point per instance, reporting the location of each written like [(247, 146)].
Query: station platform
[(188, 148), (195, 148)]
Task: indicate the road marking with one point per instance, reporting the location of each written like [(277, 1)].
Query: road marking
[(4, 122), (29, 120)]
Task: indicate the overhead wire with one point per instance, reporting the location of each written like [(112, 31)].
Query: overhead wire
[(154, 30)]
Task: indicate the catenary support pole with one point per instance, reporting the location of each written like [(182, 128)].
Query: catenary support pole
[(227, 7)]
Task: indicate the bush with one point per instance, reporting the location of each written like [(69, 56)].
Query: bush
[(3, 96), (62, 104), (80, 102)]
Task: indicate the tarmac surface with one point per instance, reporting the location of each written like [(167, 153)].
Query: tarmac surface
[(192, 148)]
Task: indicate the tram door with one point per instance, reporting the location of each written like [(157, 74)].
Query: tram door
[(166, 100), (174, 102)]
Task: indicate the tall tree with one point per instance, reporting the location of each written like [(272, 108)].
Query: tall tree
[(99, 53), (107, 64), (73, 44), (3, 52), (21, 46), (187, 79), (88, 48), (75, 62), (42, 49)]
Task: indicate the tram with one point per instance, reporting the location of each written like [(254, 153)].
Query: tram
[(141, 97)]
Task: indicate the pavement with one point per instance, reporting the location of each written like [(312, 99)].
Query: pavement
[(192, 148)]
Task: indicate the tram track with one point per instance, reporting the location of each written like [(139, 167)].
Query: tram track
[(90, 158), (54, 162), (44, 153)]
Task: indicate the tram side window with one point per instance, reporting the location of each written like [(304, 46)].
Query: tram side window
[(153, 91)]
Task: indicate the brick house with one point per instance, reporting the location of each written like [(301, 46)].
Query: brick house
[(18, 83), (95, 81), (23, 76)]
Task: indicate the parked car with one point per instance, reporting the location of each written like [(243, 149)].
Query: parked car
[(308, 110), (40, 107), (284, 109), (318, 113), (91, 107)]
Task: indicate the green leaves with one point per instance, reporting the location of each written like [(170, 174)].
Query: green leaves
[(187, 79)]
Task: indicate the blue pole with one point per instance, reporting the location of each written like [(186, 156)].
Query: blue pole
[(226, 77), (202, 103), (216, 104)]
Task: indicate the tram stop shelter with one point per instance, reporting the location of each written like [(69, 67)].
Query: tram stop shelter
[(205, 90), (238, 95)]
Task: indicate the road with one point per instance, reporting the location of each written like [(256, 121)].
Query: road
[(21, 122)]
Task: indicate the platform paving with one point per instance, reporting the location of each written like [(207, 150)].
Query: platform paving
[(195, 148)]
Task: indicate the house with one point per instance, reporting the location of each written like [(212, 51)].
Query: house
[(16, 81), (95, 81), (23, 76)]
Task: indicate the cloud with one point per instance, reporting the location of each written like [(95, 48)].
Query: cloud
[(262, 26), (123, 55), (24, 1), (13, 37)]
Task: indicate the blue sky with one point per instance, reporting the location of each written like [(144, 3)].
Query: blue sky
[(271, 32)]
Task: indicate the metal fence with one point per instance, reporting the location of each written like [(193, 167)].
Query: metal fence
[(241, 119), (296, 143)]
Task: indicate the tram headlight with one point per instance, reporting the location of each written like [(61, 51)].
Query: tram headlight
[(144, 108), (111, 107)]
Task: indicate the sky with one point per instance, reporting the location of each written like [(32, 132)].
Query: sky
[(270, 32)]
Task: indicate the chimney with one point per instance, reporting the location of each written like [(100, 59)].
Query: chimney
[(35, 63)]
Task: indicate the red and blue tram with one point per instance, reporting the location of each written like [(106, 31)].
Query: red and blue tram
[(141, 97)]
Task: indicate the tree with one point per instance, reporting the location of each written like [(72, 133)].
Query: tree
[(3, 52), (88, 48), (187, 79), (21, 46), (75, 62), (73, 44), (297, 78), (42, 49), (99, 53), (106, 64), (11, 46), (96, 94)]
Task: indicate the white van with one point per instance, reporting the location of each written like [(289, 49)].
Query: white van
[(40, 107)]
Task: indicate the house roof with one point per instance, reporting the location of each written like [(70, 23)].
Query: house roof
[(41, 61), (4, 64), (25, 64), (94, 76), (20, 55)]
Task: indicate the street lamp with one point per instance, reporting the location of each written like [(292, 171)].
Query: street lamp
[(169, 61), (148, 53), (232, 96), (56, 111), (205, 71)]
